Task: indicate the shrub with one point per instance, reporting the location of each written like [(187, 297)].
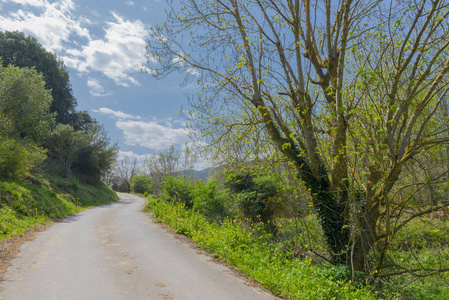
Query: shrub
[(18, 158), (177, 190), (141, 184), (211, 200), (256, 194)]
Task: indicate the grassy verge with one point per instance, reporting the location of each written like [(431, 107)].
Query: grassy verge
[(43, 199), (258, 258), (421, 244)]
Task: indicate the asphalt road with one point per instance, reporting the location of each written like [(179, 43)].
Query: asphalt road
[(115, 251)]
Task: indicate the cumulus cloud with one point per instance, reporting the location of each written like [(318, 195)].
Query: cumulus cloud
[(53, 23), (117, 54), (130, 156), (120, 52), (152, 135), (116, 114), (27, 2), (96, 89)]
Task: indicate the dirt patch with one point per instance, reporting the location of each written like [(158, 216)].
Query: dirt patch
[(10, 248)]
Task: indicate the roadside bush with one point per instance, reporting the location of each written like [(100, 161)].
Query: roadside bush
[(256, 194), (142, 184), (86, 166), (177, 190), (211, 200)]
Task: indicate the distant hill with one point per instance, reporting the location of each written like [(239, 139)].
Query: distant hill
[(202, 174)]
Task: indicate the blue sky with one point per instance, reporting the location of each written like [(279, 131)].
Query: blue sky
[(102, 43)]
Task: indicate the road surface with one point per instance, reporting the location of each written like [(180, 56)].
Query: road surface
[(115, 251)]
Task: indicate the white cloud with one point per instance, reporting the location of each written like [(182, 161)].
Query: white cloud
[(96, 89), (28, 2), (179, 59), (120, 52), (130, 156), (152, 135), (53, 24), (130, 3), (115, 114)]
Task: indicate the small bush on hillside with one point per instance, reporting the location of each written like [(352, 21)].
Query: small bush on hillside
[(18, 158)]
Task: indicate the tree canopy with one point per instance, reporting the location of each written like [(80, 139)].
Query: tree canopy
[(25, 104), (25, 51), (25, 121)]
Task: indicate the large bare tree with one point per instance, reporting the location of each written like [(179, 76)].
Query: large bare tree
[(347, 90)]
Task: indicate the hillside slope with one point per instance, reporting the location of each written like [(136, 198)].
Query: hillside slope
[(44, 198)]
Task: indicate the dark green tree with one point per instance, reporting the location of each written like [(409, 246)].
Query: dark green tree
[(24, 104), (65, 145), (94, 160), (81, 120), (25, 121), (25, 51)]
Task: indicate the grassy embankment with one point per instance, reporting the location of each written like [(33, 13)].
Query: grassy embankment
[(45, 198), (258, 258)]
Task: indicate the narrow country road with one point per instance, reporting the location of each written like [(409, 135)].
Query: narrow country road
[(115, 251)]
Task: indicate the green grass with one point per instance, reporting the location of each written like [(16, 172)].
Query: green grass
[(43, 199), (422, 243), (258, 258)]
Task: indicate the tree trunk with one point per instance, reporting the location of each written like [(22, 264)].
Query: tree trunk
[(331, 212), (335, 226), (365, 238)]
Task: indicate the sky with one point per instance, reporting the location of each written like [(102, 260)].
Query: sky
[(102, 44)]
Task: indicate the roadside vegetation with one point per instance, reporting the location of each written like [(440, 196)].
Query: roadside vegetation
[(288, 254), (52, 157), (255, 253), (44, 198)]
